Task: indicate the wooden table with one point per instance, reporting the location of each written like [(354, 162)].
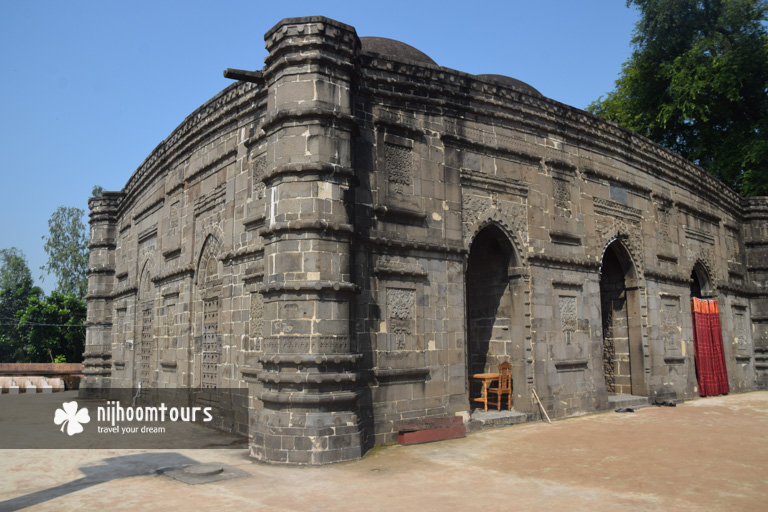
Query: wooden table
[(485, 378)]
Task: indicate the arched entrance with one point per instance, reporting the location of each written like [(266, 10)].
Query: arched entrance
[(490, 298), (622, 329), (699, 282), (709, 353)]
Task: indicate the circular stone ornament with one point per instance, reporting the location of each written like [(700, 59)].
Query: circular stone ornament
[(204, 470)]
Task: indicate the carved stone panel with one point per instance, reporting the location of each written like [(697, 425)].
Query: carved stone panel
[(258, 167), (211, 343), (147, 344), (663, 221), (400, 317), (256, 320), (740, 326), (170, 324), (173, 219), (608, 228), (473, 206), (671, 324), (399, 162), (732, 246), (568, 316), (562, 195)]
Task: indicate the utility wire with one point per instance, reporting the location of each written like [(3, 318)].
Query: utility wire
[(22, 324)]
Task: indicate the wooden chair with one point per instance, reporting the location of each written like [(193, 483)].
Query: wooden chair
[(504, 387)]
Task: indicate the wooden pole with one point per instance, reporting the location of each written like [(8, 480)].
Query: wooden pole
[(540, 405)]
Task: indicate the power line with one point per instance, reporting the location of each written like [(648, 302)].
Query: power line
[(37, 324)]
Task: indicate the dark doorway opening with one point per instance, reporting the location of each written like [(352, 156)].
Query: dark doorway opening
[(489, 301), (622, 330)]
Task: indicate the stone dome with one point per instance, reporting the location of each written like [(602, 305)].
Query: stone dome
[(394, 49), (511, 82)]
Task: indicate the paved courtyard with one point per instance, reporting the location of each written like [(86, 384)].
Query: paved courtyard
[(708, 454)]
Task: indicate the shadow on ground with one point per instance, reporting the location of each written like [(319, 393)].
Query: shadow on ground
[(106, 470)]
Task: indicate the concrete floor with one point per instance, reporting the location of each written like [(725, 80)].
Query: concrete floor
[(708, 454)]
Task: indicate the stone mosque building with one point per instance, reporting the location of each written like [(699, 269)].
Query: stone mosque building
[(352, 232)]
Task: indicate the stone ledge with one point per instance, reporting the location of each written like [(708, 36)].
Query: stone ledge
[(309, 286), (299, 114), (308, 225), (304, 359), (572, 365), (288, 398), (399, 211), (400, 373), (305, 378)]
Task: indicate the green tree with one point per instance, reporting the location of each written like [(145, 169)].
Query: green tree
[(67, 248), (697, 83), (52, 329), (16, 290)]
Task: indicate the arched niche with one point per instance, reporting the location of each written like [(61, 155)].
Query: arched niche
[(701, 284), (621, 322), (208, 339), (145, 357), (494, 304)]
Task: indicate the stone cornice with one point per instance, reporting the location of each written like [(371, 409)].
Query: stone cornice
[(394, 243), (616, 209), (243, 252), (322, 226), (312, 113), (309, 287), (540, 259), (575, 126), (291, 398), (589, 171), (495, 183), (186, 271), (308, 169), (217, 112), (656, 275)]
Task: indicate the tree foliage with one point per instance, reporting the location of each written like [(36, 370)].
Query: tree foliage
[(67, 248), (697, 83), (52, 330), (16, 289)]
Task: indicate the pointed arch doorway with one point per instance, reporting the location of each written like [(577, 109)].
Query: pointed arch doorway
[(709, 354), (492, 308), (622, 327)]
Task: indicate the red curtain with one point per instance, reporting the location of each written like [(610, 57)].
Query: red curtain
[(708, 348)]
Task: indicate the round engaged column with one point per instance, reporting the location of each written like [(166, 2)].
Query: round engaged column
[(309, 361)]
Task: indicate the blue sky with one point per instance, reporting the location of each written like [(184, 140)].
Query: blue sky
[(90, 88)]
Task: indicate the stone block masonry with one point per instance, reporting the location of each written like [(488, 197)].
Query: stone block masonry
[(351, 232)]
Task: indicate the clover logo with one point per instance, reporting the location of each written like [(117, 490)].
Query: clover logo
[(71, 418)]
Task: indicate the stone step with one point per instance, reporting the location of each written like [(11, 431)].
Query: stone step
[(623, 401), (481, 419)]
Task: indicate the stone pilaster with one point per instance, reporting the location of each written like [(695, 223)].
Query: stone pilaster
[(309, 358), (756, 241), (101, 276)]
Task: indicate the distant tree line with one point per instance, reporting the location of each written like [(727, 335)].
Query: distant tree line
[(39, 329)]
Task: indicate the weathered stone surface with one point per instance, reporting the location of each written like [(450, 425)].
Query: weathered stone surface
[(351, 234)]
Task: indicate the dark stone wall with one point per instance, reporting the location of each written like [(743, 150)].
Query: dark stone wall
[(349, 235)]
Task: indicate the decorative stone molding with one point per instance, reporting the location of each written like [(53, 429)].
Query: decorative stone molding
[(513, 219), (616, 209)]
